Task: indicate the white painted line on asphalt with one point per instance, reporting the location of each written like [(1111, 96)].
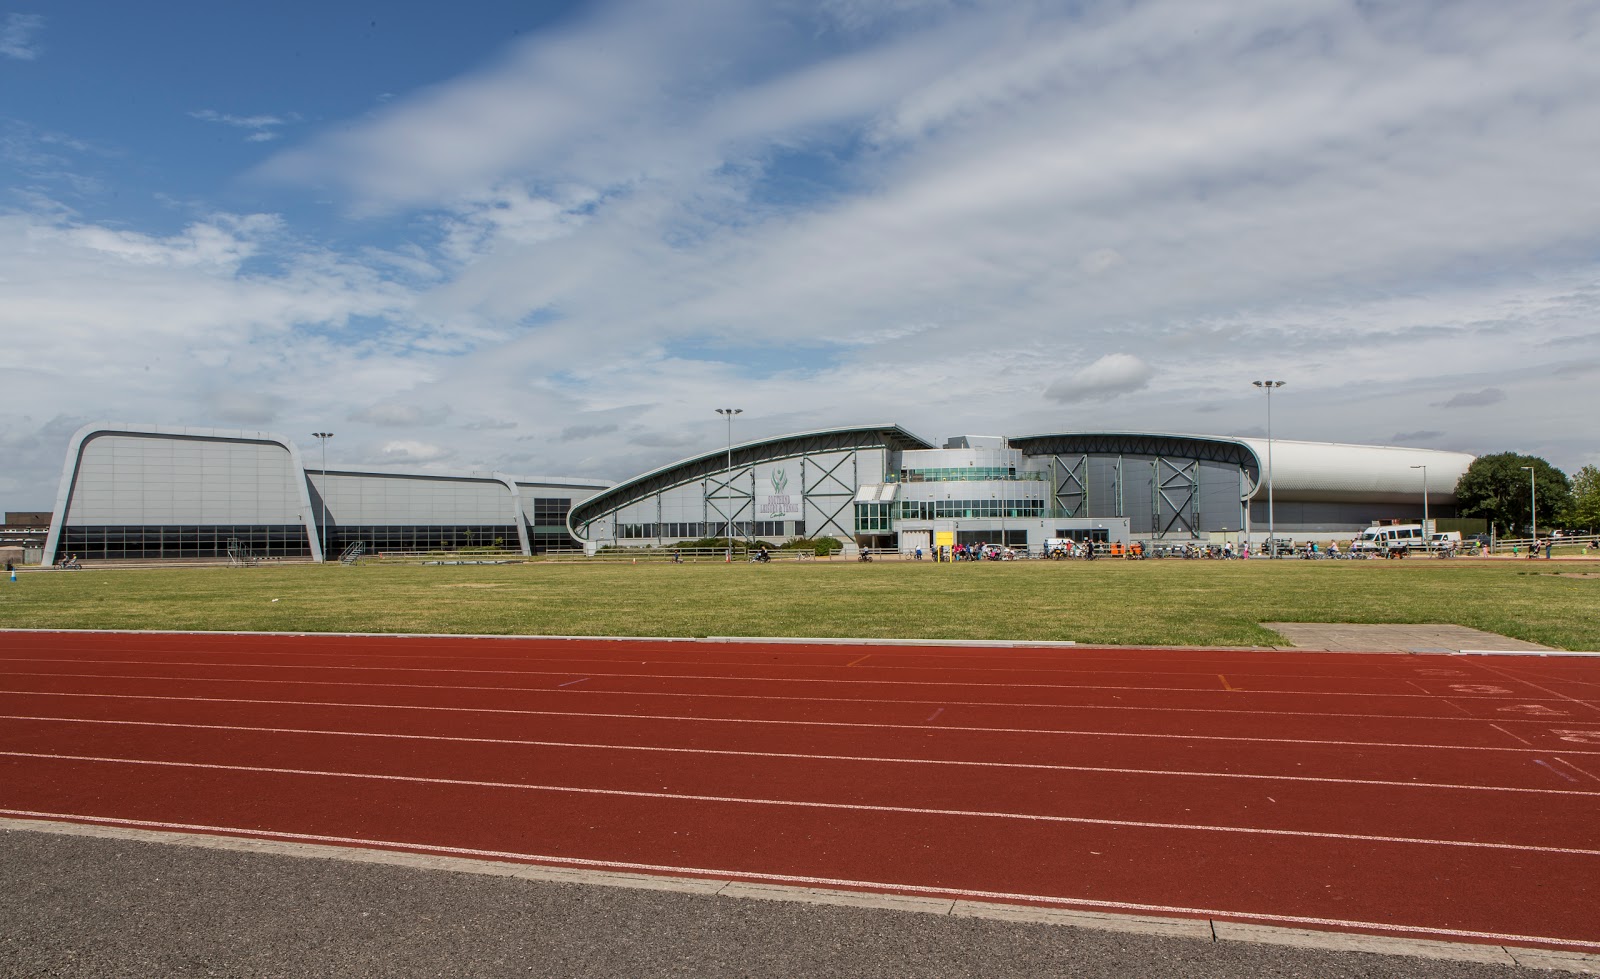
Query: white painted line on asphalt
[(717, 883), (799, 756), (812, 804)]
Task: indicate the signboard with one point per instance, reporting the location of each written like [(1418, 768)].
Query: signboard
[(774, 501)]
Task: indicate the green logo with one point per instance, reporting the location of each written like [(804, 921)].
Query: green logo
[(779, 481)]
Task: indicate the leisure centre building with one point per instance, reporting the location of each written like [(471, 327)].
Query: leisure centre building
[(150, 492)]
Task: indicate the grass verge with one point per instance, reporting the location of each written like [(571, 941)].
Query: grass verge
[(1127, 603)]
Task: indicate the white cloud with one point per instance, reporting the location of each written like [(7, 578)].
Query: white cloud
[(1107, 377), (17, 36), (262, 128), (959, 216), (397, 415), (1475, 399), (245, 407), (412, 453)]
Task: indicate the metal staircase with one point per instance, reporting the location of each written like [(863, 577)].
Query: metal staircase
[(353, 552)]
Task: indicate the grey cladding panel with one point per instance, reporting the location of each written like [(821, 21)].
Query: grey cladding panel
[(158, 479)]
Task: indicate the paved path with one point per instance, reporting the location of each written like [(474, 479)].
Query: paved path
[(1426, 638), (79, 907)]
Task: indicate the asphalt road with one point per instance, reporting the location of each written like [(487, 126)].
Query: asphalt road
[(73, 906)]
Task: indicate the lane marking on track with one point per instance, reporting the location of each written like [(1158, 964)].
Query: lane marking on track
[(1580, 771), (841, 681), (858, 661), (801, 756), (788, 723), (1552, 768), (1514, 678), (571, 682), (809, 804), (726, 874), (1509, 734), (1243, 712), (1044, 666), (1225, 684)]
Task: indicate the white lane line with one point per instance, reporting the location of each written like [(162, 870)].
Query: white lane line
[(792, 699), (807, 804), (921, 728), (1512, 677), (800, 756), (1510, 735), (841, 681), (1554, 770), (726, 874), (1575, 768), (800, 661)]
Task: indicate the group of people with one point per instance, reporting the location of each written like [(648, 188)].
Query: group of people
[(969, 552)]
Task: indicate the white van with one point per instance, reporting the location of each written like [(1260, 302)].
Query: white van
[(1390, 537)]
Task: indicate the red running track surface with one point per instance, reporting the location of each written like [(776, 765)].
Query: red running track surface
[(1428, 796)]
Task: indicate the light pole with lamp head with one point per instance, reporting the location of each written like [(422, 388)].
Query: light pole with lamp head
[(1533, 502), (1272, 530), (1427, 540), (323, 437), (728, 482)]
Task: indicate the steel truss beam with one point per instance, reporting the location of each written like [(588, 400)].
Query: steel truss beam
[(1176, 484), (1070, 484)]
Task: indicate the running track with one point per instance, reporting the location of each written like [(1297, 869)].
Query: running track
[(1424, 796)]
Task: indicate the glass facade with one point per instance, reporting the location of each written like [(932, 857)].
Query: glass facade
[(422, 538), (967, 474), (696, 531), (874, 518), (943, 509), (550, 511), (126, 543)]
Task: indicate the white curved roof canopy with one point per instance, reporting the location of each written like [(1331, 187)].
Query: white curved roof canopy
[(1335, 471)]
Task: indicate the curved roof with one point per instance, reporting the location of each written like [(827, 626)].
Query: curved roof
[(1301, 470), (743, 454), (1338, 471)]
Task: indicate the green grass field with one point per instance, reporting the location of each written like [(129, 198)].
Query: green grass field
[(1155, 602)]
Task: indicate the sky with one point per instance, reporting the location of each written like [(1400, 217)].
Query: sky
[(550, 238)]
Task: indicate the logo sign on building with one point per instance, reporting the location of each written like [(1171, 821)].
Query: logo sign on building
[(773, 500)]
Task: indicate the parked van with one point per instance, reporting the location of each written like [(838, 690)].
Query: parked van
[(1448, 538), (1391, 537)]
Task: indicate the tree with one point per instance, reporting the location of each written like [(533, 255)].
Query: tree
[(1496, 487), (1585, 510)]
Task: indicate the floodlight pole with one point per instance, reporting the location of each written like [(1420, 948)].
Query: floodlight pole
[(1427, 541), (1272, 530), (323, 437), (727, 483), (1533, 495)]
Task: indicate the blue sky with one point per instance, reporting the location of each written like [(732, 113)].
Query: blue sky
[(549, 238)]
